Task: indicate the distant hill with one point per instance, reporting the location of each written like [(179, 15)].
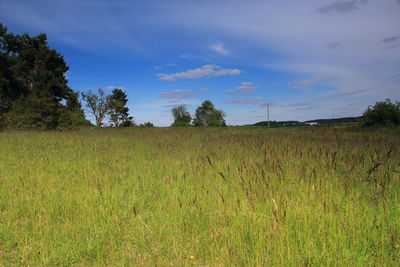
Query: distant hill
[(345, 119), (279, 123), (321, 122)]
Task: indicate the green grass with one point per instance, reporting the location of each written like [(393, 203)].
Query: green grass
[(202, 197)]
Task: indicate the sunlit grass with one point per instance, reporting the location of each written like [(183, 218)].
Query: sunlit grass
[(208, 197)]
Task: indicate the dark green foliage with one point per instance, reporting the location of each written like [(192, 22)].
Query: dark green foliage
[(279, 124), (117, 110), (147, 124), (382, 113), (40, 112), (33, 112), (181, 116), (73, 114), (345, 121), (128, 122), (33, 84), (338, 120), (208, 115)]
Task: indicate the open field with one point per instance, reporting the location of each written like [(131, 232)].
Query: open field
[(198, 196)]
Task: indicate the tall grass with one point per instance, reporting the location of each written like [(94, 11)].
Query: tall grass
[(207, 197)]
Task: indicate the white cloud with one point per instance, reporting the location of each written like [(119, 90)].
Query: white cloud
[(208, 70), (166, 65), (204, 89), (286, 36), (220, 49), (191, 56), (177, 94), (342, 6), (245, 88), (302, 84), (247, 101), (391, 39), (333, 45), (175, 104), (230, 72), (296, 39)]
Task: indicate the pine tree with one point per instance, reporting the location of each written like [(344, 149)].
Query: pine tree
[(117, 110), (32, 72)]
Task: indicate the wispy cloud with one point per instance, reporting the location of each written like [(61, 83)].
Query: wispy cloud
[(166, 104), (311, 107), (333, 45), (372, 88), (220, 49), (303, 84), (178, 94), (174, 105), (192, 56), (247, 101), (390, 42), (165, 66), (344, 40), (300, 106), (390, 39), (245, 88), (204, 89), (297, 104), (208, 70), (342, 6)]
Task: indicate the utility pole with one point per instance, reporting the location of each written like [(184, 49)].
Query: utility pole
[(267, 106)]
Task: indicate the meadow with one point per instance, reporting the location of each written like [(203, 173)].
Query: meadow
[(200, 197)]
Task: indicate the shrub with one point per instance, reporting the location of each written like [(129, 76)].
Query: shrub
[(382, 113)]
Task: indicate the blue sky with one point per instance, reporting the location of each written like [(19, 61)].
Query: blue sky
[(309, 59)]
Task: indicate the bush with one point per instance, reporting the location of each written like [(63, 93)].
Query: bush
[(382, 113), (147, 124), (33, 112), (43, 113)]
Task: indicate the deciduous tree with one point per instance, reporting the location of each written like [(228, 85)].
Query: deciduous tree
[(96, 105), (181, 116), (208, 115), (382, 113)]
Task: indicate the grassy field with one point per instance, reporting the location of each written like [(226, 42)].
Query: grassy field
[(201, 197)]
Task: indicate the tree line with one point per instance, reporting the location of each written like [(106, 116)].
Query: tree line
[(205, 115), (114, 106), (34, 93), (99, 106)]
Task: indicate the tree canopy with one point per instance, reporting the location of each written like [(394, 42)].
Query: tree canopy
[(207, 115), (117, 109), (382, 113), (96, 105), (33, 84), (181, 116), (147, 124)]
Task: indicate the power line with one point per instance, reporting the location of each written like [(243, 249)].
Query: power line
[(373, 85), (383, 82)]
